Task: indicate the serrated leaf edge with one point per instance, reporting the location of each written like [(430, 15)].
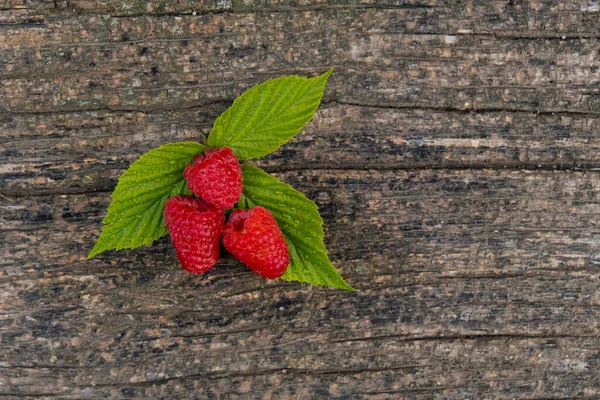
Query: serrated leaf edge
[(134, 169), (321, 233), (325, 76)]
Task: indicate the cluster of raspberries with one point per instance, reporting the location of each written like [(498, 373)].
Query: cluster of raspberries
[(197, 226)]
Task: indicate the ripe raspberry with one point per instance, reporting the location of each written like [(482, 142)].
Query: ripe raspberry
[(254, 238), (195, 228), (216, 176)]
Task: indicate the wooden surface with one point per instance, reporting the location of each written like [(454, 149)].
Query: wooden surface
[(454, 160)]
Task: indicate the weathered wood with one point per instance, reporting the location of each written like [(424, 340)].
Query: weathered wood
[(454, 162), (84, 152), (485, 274), (397, 56), (185, 69)]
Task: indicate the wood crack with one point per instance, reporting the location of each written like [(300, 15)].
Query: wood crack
[(106, 187), (12, 25), (199, 105), (41, 366), (482, 336), (469, 110), (118, 110)]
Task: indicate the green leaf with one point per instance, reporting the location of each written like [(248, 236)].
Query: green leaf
[(135, 215), (302, 226), (268, 115)]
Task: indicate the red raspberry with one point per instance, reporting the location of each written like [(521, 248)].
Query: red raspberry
[(254, 238), (195, 228), (216, 176)]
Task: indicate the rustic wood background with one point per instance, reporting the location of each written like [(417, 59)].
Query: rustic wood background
[(454, 161)]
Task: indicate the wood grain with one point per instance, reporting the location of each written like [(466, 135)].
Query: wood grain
[(61, 153), (454, 161), (486, 274)]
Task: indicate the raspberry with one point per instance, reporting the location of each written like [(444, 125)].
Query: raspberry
[(254, 238), (195, 228), (216, 176)]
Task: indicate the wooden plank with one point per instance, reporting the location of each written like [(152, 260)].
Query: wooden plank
[(472, 284), (164, 62), (541, 18), (85, 152)]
